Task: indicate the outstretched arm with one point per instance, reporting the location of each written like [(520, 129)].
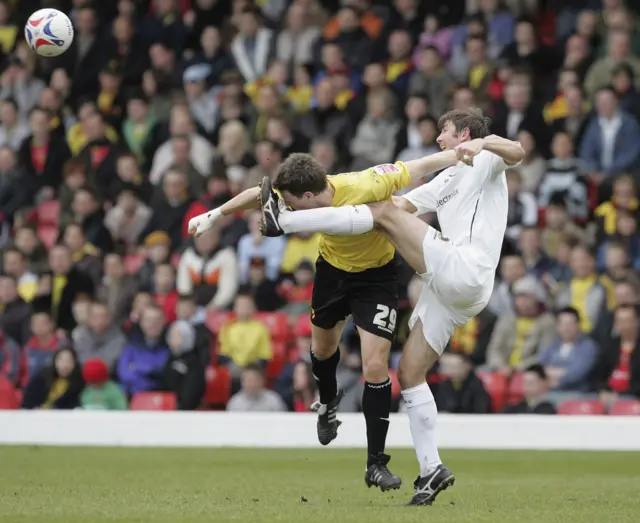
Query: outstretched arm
[(248, 199), (419, 168), (511, 152)]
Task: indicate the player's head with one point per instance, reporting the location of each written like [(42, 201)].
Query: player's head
[(300, 180), (457, 127)]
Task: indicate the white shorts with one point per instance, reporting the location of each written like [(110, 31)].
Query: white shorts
[(457, 286)]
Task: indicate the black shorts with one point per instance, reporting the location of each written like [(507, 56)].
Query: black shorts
[(371, 296)]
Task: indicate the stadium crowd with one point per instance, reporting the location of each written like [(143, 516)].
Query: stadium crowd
[(163, 109)]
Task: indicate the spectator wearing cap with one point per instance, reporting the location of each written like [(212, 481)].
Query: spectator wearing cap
[(116, 289), (253, 46), (535, 387), (129, 51), (253, 395), (584, 292), (184, 372), (157, 249), (517, 338), (14, 128), (140, 128), (145, 353), (568, 362), (295, 42), (617, 371), (202, 102), (19, 84), (14, 321), (100, 338), (255, 245), (461, 392), (100, 393), (57, 385), (608, 147), (201, 152), (264, 291), (127, 218), (209, 271), (43, 154)]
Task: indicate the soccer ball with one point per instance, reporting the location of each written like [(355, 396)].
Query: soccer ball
[(49, 32)]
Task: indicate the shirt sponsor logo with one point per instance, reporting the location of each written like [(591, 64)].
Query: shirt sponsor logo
[(446, 198), (386, 168)]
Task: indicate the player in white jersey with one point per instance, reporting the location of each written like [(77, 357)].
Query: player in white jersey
[(457, 265)]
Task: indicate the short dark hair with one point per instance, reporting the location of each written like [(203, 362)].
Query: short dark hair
[(627, 308), (537, 369), (473, 120), (569, 310), (187, 297), (301, 173), (15, 250), (254, 367)]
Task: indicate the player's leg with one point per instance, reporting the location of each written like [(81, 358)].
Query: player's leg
[(329, 308), (373, 299), (418, 357)]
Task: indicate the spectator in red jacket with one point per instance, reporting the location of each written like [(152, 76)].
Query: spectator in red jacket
[(166, 295), (41, 347)]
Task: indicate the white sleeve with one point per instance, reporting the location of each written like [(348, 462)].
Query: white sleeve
[(425, 197)]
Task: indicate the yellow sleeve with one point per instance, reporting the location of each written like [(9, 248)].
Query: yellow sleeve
[(387, 178), (265, 350)]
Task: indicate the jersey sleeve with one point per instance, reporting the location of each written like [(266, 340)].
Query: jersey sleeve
[(387, 178), (425, 197), (492, 164)]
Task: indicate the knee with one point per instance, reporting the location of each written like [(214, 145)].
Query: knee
[(376, 368), (410, 376), (323, 351)]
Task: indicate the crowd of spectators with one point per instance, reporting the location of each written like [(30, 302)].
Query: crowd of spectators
[(163, 109)]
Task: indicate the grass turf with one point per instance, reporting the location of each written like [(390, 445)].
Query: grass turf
[(83, 485)]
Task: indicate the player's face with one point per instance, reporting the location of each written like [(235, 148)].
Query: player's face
[(450, 138), (300, 203)]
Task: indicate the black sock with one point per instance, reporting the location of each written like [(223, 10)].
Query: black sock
[(324, 372), (376, 406)]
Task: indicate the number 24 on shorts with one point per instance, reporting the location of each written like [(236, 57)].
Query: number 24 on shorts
[(385, 318)]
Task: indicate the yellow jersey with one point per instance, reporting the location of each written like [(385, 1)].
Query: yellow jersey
[(372, 249)]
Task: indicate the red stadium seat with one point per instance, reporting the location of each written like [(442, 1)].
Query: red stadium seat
[(218, 390), (277, 362), (581, 408), (625, 408), (153, 401), (277, 323), (495, 383), (514, 391), (215, 320), (8, 399), (48, 235), (49, 213), (133, 263)]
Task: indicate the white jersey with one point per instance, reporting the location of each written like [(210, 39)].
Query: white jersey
[(471, 203)]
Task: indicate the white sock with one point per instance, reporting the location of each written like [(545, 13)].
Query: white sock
[(350, 220), (422, 411)]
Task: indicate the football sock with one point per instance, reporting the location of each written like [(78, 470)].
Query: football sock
[(422, 411), (324, 371), (350, 220), (376, 405)]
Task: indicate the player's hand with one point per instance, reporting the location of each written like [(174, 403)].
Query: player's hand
[(466, 151), (202, 223)]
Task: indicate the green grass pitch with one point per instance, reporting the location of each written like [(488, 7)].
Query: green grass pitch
[(89, 485)]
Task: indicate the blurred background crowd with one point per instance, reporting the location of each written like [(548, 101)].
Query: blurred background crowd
[(163, 109)]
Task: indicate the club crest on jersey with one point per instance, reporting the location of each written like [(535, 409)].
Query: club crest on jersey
[(386, 168)]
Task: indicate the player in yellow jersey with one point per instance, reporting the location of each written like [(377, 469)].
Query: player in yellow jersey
[(354, 275)]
